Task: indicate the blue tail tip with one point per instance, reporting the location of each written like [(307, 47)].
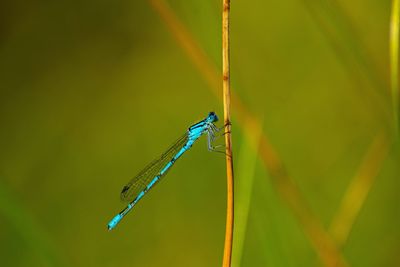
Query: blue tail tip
[(113, 223)]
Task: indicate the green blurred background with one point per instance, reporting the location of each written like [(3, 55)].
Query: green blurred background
[(91, 91)]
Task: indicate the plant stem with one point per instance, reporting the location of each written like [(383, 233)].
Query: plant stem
[(394, 61), (228, 141)]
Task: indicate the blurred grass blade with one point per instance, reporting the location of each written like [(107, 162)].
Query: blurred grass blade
[(320, 239), (358, 189), (246, 166), (209, 71), (394, 61), (21, 221), (336, 25), (312, 226)]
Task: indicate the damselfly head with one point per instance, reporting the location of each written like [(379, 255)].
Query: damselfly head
[(212, 117)]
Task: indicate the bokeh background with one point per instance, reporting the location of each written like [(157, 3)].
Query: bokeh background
[(91, 91)]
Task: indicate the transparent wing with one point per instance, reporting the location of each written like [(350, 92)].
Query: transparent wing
[(140, 181)]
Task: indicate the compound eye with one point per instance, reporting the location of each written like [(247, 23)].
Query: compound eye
[(213, 116)]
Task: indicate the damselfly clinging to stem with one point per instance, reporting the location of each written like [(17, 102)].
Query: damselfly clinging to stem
[(149, 176)]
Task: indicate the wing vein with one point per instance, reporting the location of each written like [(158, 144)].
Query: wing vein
[(143, 178)]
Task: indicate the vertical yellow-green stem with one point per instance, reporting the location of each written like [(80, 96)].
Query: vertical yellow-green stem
[(245, 175), (228, 141), (394, 60)]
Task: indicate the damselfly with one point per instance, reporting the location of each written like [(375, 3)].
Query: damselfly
[(149, 176)]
